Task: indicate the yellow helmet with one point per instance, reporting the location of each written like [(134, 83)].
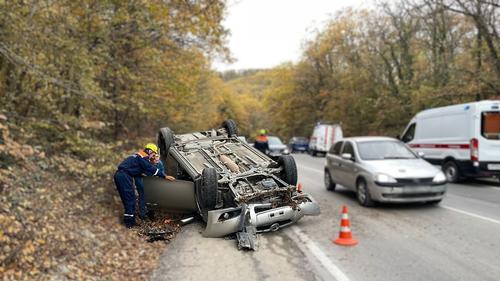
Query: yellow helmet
[(152, 147), (262, 132)]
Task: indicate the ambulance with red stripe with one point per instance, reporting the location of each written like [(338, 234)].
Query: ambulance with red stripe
[(323, 137), (463, 139)]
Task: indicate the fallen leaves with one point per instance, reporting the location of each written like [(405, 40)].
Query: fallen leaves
[(59, 221)]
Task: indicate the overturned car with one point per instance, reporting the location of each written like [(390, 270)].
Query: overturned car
[(232, 186)]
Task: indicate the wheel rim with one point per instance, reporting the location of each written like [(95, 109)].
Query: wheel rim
[(361, 192), (327, 180), (451, 172)]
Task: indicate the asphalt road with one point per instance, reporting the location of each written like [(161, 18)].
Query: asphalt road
[(458, 239)]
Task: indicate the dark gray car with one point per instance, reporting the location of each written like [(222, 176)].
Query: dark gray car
[(383, 169), (234, 187)]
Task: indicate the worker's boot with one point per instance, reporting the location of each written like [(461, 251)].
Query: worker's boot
[(129, 221), (150, 214)]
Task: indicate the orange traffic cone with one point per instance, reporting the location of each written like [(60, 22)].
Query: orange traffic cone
[(299, 188), (345, 235)]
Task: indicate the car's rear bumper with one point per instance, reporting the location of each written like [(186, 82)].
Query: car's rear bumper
[(483, 169), (406, 194), (223, 222)]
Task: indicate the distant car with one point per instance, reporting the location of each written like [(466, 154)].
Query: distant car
[(383, 169), (323, 137), (299, 144), (276, 147), (463, 139)]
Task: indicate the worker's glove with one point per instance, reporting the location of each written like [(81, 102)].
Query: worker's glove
[(170, 178)]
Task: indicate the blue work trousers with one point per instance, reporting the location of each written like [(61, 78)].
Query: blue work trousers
[(125, 186)]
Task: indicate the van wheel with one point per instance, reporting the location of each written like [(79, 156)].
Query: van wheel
[(451, 171), (206, 192), (362, 194), (329, 183)]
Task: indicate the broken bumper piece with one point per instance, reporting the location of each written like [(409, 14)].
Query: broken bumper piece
[(262, 217)]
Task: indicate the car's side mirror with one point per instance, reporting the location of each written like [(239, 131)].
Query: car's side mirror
[(420, 154), (347, 156)]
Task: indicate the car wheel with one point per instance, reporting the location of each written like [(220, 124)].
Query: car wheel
[(313, 152), (329, 183), (165, 139), (231, 127), (451, 171), (289, 169), (362, 194), (206, 191)]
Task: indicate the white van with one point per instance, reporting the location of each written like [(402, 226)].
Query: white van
[(323, 137), (464, 139)]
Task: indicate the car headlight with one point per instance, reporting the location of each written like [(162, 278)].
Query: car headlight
[(439, 178), (286, 151), (383, 178)]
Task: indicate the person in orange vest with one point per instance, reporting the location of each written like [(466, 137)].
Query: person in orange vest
[(262, 142)]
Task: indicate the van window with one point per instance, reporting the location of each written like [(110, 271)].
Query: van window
[(348, 149), (409, 134), (490, 125), (335, 149)]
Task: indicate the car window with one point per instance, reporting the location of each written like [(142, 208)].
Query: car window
[(348, 148), (274, 141), (490, 125), (380, 150), (409, 134), (335, 149)]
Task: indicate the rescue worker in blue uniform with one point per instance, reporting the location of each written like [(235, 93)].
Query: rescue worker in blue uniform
[(133, 166), (143, 211)]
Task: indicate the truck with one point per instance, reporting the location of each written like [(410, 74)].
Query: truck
[(323, 137)]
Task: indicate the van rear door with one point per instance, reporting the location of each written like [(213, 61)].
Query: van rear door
[(489, 130)]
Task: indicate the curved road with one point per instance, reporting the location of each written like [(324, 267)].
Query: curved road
[(458, 239)]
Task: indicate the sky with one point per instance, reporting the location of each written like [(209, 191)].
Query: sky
[(267, 33)]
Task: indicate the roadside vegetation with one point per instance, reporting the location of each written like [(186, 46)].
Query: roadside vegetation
[(372, 70)]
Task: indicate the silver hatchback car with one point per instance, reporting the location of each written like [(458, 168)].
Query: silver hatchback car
[(383, 169)]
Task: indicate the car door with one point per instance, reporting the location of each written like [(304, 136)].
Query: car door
[(346, 167), (178, 195), (333, 161)]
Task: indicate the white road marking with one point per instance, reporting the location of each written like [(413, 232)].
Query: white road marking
[(310, 169), (471, 214), (320, 255)]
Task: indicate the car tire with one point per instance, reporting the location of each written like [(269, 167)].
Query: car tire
[(313, 152), (329, 183), (206, 191), (231, 127), (451, 171), (363, 194), (165, 139), (289, 169)]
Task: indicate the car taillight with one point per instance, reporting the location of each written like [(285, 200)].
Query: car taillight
[(474, 150)]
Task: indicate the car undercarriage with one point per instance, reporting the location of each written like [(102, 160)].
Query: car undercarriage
[(235, 188)]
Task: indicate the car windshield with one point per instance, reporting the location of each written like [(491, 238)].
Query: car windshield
[(379, 150), (274, 141), (300, 140)]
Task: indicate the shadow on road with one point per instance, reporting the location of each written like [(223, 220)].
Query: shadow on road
[(351, 195), (481, 182)]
